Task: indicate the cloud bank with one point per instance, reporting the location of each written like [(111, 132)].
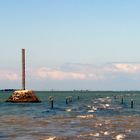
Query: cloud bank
[(73, 71), (8, 75)]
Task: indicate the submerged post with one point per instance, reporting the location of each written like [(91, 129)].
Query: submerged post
[(78, 97), (122, 101), (66, 100), (23, 69), (51, 101), (132, 103)]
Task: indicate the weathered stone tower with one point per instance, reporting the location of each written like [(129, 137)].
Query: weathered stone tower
[(23, 69), (23, 95)]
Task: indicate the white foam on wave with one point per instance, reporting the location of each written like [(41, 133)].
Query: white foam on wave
[(94, 108), (106, 133), (68, 110), (107, 99), (96, 135), (107, 105), (86, 135), (120, 137), (85, 116), (50, 138), (90, 111), (98, 125), (107, 122), (128, 130)]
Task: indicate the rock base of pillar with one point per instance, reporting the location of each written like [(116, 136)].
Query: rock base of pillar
[(23, 96)]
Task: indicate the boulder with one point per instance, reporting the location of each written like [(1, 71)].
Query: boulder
[(23, 96)]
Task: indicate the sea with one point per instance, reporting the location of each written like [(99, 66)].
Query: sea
[(72, 115)]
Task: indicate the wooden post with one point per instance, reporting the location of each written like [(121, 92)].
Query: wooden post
[(23, 69), (78, 97), (51, 103), (66, 100), (122, 101), (132, 103)]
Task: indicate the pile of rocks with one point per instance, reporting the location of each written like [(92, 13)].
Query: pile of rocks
[(23, 96)]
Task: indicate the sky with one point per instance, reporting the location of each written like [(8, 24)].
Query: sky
[(70, 44)]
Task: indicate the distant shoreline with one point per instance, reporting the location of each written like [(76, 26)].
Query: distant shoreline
[(5, 90)]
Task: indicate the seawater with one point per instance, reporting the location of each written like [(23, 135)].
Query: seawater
[(91, 115)]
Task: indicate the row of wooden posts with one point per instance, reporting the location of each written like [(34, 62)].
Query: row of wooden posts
[(68, 100), (131, 102)]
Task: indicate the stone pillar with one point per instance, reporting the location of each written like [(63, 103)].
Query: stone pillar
[(23, 69), (23, 95)]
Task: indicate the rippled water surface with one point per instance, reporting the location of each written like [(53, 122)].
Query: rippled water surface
[(88, 116)]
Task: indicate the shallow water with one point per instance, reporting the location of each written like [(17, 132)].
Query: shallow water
[(92, 116)]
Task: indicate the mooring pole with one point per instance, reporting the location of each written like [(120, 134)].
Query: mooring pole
[(66, 100), (78, 97), (132, 103), (23, 69), (122, 101), (51, 101)]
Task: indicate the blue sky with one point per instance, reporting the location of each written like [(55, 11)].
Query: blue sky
[(70, 44)]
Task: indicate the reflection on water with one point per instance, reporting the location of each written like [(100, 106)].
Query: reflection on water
[(93, 117)]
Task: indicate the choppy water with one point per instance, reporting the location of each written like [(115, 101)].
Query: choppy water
[(92, 116)]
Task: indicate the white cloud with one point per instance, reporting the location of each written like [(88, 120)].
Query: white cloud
[(45, 73), (73, 71), (8, 75), (127, 67), (85, 71)]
